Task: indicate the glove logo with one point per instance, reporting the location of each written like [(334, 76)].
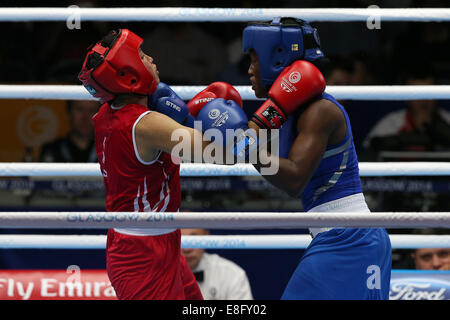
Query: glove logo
[(288, 84), (213, 114), (203, 100), (285, 86), (295, 77), (173, 105), (221, 120)]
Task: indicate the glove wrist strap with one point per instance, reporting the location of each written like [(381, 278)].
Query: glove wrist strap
[(269, 115)]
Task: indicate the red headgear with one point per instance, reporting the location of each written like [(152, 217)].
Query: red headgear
[(120, 69)]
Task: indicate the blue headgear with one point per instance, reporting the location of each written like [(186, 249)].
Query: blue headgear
[(279, 43)]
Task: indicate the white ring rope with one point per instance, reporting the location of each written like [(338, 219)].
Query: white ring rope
[(74, 92), (223, 220), (38, 241), (186, 14), (366, 169)]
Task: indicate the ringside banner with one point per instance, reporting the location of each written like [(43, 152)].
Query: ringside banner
[(70, 284), (76, 284), (420, 285)]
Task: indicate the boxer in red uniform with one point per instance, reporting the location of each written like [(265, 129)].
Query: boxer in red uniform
[(133, 131)]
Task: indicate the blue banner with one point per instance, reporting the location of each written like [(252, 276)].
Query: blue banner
[(80, 185), (420, 285)]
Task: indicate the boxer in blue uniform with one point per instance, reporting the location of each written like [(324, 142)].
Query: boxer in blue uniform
[(317, 162)]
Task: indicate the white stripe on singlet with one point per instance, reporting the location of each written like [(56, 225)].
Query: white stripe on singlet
[(147, 208)]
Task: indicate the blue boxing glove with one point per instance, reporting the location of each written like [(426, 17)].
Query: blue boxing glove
[(231, 127), (166, 101)]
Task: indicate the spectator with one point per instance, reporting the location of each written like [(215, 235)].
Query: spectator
[(217, 277), (78, 144), (424, 42), (422, 126), (57, 45), (428, 258), (340, 72), (364, 69), (185, 53), (431, 259)]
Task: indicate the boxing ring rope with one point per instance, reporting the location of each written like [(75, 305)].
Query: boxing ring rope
[(223, 220), (398, 92), (366, 169), (188, 14), (54, 241)]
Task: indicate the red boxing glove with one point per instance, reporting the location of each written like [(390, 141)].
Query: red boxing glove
[(296, 85), (213, 91)]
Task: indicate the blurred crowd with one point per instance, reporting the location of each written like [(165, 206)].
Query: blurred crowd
[(199, 53)]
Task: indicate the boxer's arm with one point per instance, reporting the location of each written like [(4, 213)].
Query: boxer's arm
[(319, 121), (157, 132)]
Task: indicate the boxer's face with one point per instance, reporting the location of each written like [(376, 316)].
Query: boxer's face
[(255, 76), (151, 67)]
